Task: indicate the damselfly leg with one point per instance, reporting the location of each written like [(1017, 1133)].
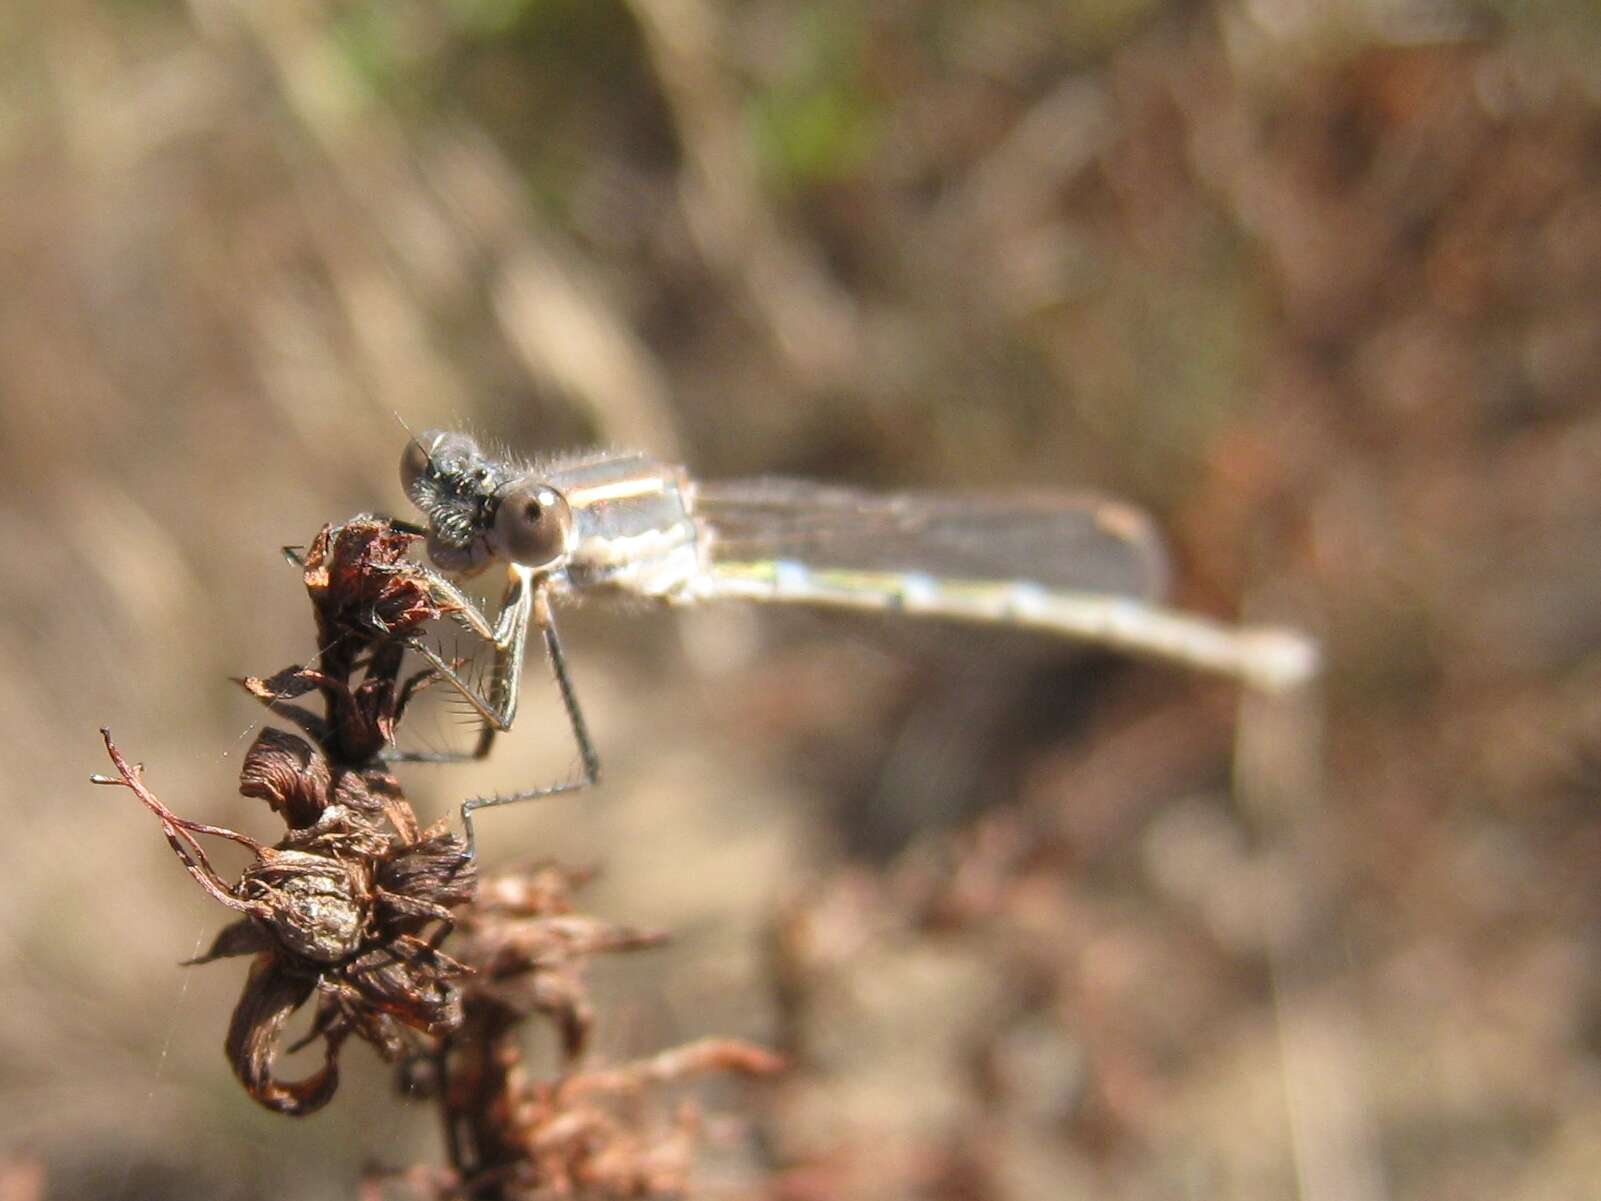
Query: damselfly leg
[(526, 602)]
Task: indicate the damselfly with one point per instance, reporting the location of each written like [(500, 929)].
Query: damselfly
[(1078, 567)]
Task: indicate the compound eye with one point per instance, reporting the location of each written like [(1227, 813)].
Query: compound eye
[(439, 452), (414, 459), (533, 524)]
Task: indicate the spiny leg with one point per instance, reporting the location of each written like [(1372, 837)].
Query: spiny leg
[(508, 636), (525, 603), (538, 607)]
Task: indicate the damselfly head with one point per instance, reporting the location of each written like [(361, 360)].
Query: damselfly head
[(479, 509)]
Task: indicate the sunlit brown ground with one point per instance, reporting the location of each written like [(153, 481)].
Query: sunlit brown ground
[(1318, 285)]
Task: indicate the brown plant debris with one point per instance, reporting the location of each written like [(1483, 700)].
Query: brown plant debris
[(583, 1133), (348, 910)]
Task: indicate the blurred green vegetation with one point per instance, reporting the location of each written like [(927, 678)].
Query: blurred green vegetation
[(815, 119)]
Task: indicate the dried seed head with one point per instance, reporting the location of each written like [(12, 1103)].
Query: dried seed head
[(315, 906), (357, 571)]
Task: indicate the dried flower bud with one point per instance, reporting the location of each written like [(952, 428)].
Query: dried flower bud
[(314, 905), (349, 578), (321, 924)]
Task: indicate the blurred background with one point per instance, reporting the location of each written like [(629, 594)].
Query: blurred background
[(1318, 284)]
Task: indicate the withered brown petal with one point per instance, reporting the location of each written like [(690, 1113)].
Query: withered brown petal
[(284, 685), (342, 833), (438, 869), (315, 560), (343, 1013), (351, 788), (415, 991), (278, 690), (349, 583), (271, 995), (243, 937), (288, 773), (375, 704)]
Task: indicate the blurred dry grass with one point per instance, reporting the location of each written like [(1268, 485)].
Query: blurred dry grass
[(1317, 283)]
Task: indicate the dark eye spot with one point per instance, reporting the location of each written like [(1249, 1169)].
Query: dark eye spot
[(532, 525)]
